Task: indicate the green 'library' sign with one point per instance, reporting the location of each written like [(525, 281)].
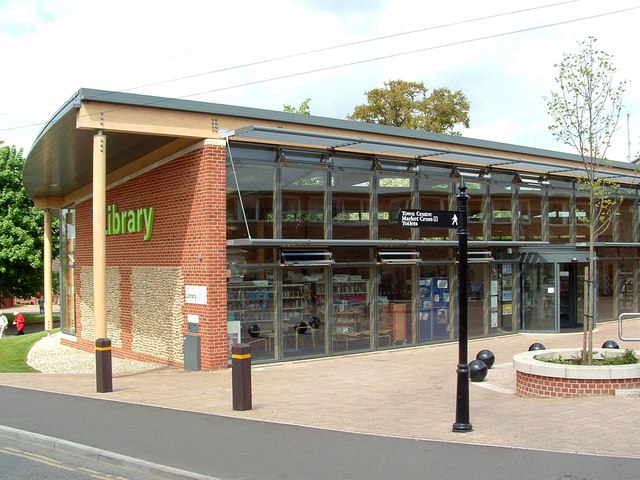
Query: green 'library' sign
[(130, 221)]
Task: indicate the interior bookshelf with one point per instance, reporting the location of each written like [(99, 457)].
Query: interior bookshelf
[(292, 301), (250, 302)]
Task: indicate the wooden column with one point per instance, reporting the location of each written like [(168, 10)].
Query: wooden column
[(99, 235)]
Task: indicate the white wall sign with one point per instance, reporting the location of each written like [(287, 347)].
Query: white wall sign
[(191, 318), (195, 294)]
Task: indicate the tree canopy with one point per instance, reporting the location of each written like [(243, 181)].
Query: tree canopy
[(303, 109), (585, 110), (21, 231), (410, 105)]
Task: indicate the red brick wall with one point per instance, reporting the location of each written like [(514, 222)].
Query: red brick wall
[(189, 196), (529, 385)]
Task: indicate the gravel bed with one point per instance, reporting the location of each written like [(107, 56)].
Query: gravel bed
[(49, 356)]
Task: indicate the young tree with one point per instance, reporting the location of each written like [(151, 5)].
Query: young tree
[(585, 112), (303, 109), (21, 231), (409, 105)]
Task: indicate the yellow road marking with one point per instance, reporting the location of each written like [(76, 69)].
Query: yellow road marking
[(95, 474), (38, 458), (55, 463)]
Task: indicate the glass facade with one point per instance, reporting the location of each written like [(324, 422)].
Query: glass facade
[(360, 301), (376, 285)]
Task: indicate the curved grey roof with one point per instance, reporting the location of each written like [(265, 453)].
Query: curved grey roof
[(60, 160)]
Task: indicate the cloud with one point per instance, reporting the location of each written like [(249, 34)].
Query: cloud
[(52, 48)]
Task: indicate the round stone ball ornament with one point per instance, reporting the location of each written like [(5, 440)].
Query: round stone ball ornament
[(477, 371), (487, 357)]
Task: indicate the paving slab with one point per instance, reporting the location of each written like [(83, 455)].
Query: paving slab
[(407, 392)]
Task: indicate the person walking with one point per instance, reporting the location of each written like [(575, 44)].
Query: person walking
[(41, 304), (3, 324), (19, 321)]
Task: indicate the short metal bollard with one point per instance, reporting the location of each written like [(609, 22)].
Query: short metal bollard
[(104, 376), (241, 376)]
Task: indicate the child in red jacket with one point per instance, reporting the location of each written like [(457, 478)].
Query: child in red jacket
[(19, 321)]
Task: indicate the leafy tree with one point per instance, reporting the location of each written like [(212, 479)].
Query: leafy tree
[(410, 105), (585, 112), (303, 109), (21, 231)]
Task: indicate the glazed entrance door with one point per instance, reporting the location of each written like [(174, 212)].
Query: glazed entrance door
[(539, 297), (571, 295), (552, 296)]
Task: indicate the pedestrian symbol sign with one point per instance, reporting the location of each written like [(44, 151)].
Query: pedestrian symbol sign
[(428, 218)]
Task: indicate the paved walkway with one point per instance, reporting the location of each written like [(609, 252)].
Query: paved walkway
[(406, 392)]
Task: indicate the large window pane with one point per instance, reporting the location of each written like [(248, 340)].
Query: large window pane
[(606, 278), (434, 195), (394, 194), (477, 191), (626, 286), (626, 224), (501, 211), (350, 309), (250, 311), (560, 221), (303, 201), (582, 216), (395, 291), (435, 287), (530, 198), (350, 204), (477, 293), (255, 199), (303, 322)]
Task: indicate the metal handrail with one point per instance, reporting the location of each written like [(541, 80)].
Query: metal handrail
[(620, 318)]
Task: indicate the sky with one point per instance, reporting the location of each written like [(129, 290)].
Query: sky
[(264, 54)]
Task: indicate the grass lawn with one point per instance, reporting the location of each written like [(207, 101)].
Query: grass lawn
[(14, 350), (34, 317)]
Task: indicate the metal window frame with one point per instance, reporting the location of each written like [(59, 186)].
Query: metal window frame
[(398, 257), (306, 258)]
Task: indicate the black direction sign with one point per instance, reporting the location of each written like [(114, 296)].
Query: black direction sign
[(428, 218)]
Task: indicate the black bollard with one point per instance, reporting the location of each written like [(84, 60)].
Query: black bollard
[(104, 376), (241, 376)]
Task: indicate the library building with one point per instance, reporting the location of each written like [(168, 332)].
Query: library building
[(186, 227)]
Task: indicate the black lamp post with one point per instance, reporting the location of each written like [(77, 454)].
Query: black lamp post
[(462, 423)]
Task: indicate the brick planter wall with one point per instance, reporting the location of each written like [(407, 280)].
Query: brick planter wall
[(537, 378), (529, 385)]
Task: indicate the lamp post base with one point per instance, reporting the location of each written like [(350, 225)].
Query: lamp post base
[(462, 427)]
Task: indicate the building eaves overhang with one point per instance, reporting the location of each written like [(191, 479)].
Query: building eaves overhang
[(529, 161), (59, 164)]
